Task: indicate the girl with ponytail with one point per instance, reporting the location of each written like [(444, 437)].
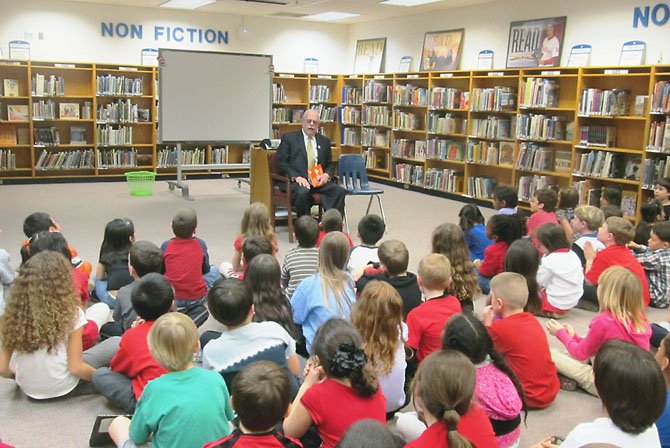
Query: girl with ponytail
[(442, 393), (340, 386), (498, 390)]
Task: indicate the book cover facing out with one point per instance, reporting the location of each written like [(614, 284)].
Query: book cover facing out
[(314, 174)]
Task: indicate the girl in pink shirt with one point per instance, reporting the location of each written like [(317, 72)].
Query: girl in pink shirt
[(621, 317)]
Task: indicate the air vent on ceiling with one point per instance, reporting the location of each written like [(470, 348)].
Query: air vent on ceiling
[(268, 2), (288, 15)]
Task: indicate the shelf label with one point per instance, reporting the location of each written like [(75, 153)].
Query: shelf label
[(64, 65), (324, 77), (353, 76), (550, 72), (496, 74), (286, 75), (379, 76), (412, 76), (446, 75), (134, 69), (616, 71)]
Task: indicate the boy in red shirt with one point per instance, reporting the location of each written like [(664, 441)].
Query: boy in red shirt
[(426, 322), (615, 234), (521, 339), (133, 366), (543, 207)]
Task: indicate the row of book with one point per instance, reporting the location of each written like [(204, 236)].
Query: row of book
[(375, 137), (598, 135), (600, 164), (660, 98), (493, 127), (444, 180), (51, 85), (604, 102), (375, 116), (528, 185), (327, 114), (410, 95), (539, 92), (446, 123), (110, 135), (481, 187), (655, 169), (409, 148), (498, 98), (222, 155), (376, 159), (407, 120), (408, 173), (430, 149), (117, 158), (72, 159), (534, 157), (319, 93), (350, 115), (11, 135), (374, 91), (122, 111), (278, 93), (118, 85), (286, 115), (351, 137), (540, 127), (490, 153), (449, 98), (659, 136), (7, 160), (590, 192), (47, 136), (351, 95)]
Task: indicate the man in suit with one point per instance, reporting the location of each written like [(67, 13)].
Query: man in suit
[(304, 149)]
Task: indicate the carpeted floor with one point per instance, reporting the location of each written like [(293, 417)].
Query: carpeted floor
[(83, 209)]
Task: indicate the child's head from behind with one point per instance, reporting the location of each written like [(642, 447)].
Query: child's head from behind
[(339, 349), (230, 301), (568, 197), (48, 240), (552, 237), (378, 315), (468, 335), (448, 239), (152, 296), (504, 228), (504, 196), (610, 210), (369, 433), (261, 394), (255, 245), (443, 387), (41, 309), (37, 222), (184, 223), (662, 355), (434, 272), (393, 254), (263, 273), (620, 293), (544, 199), (307, 231), (119, 234), (173, 339), (630, 385), (522, 258), (145, 257), (256, 220), (469, 216), (331, 220), (509, 290), (651, 211), (587, 219), (333, 252), (371, 229), (616, 230), (611, 196), (660, 236)]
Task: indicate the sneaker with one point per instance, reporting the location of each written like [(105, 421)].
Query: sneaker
[(567, 383), (587, 305), (226, 269)]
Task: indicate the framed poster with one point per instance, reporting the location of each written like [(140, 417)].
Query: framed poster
[(441, 50), (369, 55), (535, 43)]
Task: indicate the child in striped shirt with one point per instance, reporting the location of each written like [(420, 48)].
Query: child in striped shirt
[(301, 261)]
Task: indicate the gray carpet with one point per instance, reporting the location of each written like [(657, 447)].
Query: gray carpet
[(83, 209)]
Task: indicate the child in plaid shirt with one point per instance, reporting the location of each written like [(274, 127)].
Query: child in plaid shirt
[(655, 259)]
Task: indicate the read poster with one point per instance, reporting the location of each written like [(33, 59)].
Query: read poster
[(535, 43)]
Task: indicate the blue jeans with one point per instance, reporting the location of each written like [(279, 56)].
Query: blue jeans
[(212, 276), (484, 283), (100, 288)]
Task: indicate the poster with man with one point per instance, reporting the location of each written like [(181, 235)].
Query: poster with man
[(535, 43)]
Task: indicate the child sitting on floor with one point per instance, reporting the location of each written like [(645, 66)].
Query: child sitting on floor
[(163, 414), (471, 222), (332, 221), (511, 328), (505, 199), (111, 273), (543, 208), (655, 260), (503, 230), (651, 212), (585, 225), (256, 221), (132, 367), (568, 200), (371, 229), (522, 258), (301, 261)]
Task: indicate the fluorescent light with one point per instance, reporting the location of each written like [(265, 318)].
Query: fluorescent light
[(330, 16), (186, 4), (407, 2)]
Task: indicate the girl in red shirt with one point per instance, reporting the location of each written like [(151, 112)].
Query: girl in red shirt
[(340, 386)]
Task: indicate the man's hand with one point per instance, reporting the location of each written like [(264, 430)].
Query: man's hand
[(302, 182), (322, 179)]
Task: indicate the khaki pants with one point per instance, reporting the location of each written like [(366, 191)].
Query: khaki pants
[(579, 371)]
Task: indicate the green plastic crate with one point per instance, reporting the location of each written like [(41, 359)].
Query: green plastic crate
[(141, 183)]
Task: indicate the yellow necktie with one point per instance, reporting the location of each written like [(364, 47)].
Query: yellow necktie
[(311, 158)]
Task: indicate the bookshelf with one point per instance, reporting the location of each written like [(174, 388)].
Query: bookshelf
[(16, 158)]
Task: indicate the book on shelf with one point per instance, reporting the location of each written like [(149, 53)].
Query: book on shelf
[(481, 187), (629, 202), (444, 180), (528, 185), (446, 123), (17, 112), (506, 153), (46, 136), (654, 170), (598, 135), (498, 98), (449, 98), (613, 102), (73, 159), (68, 111), (118, 158), (51, 85), (77, 135), (659, 136), (7, 135), (660, 98), (562, 161), (7, 160), (409, 174), (493, 127), (22, 136), (118, 85), (640, 105), (10, 87), (633, 169), (539, 92)]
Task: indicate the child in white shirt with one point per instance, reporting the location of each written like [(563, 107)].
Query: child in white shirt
[(585, 225)]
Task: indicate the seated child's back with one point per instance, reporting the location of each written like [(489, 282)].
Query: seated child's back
[(655, 259), (301, 261), (371, 229)]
